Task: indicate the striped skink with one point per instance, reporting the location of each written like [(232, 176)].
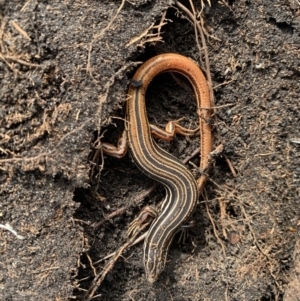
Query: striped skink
[(182, 189)]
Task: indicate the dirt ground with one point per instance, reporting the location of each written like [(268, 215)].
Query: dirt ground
[(64, 70)]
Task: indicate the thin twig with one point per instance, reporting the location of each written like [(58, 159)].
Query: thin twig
[(138, 240), (9, 228), (214, 227), (212, 156), (20, 30), (22, 62), (230, 166), (194, 153), (101, 276), (207, 65), (121, 210)]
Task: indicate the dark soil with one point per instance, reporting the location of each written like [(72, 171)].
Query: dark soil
[(64, 70)]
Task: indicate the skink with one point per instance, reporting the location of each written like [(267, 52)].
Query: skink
[(182, 190)]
